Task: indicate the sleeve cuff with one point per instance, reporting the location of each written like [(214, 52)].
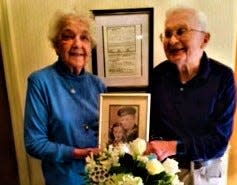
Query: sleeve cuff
[(180, 148)]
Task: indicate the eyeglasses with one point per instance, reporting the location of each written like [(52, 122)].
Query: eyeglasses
[(179, 33)]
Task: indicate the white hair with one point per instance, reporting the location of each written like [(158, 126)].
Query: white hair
[(62, 19), (198, 15)]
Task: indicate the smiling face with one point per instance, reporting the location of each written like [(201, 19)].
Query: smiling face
[(74, 46), (184, 48), (118, 133), (128, 121)]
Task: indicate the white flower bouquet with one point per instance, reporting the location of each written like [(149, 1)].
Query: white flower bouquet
[(125, 164)]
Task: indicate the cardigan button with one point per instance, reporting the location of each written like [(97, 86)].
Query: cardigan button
[(86, 127), (72, 90)]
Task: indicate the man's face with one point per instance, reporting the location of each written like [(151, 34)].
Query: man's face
[(127, 121), (183, 40)]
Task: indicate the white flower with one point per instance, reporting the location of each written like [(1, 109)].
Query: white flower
[(90, 162), (123, 148), (124, 179), (131, 180), (107, 163), (143, 159), (154, 166), (171, 166), (138, 146), (110, 166)]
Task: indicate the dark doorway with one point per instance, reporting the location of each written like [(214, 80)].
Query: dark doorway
[(8, 163)]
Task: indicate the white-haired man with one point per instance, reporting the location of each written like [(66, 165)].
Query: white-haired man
[(192, 101)]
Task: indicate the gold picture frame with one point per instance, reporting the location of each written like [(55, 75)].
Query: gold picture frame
[(111, 105)]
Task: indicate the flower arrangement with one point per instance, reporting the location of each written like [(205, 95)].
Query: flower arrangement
[(126, 164)]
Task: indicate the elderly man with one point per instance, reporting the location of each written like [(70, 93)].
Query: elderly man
[(192, 101)]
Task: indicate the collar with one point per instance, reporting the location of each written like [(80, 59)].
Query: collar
[(203, 73), (204, 68), (63, 70)]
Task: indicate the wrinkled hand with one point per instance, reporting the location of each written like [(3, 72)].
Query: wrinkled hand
[(162, 149), (83, 152)]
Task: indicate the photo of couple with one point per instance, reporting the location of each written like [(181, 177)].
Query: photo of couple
[(123, 124)]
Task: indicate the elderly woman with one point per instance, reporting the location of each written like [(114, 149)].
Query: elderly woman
[(61, 109)]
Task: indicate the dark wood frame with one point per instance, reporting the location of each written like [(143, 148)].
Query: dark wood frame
[(116, 12)]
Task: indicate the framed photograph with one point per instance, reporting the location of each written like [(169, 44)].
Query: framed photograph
[(123, 117), (123, 57)]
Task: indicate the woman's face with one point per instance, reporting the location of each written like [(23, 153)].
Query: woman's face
[(74, 46), (118, 133)]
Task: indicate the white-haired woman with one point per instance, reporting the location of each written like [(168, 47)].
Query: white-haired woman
[(61, 109)]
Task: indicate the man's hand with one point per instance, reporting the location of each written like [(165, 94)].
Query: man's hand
[(162, 149)]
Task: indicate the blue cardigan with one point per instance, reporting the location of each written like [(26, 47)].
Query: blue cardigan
[(61, 113)]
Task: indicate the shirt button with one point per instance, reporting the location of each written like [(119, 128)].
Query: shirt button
[(181, 89)]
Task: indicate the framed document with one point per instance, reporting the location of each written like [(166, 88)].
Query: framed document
[(123, 57), (123, 117)]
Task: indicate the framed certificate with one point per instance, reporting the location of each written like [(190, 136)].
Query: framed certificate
[(123, 57)]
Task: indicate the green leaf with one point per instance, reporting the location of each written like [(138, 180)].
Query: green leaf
[(162, 178)]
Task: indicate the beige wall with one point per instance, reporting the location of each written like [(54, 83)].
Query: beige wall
[(25, 47)]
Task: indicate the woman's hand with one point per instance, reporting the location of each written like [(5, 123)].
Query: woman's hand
[(79, 153)]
